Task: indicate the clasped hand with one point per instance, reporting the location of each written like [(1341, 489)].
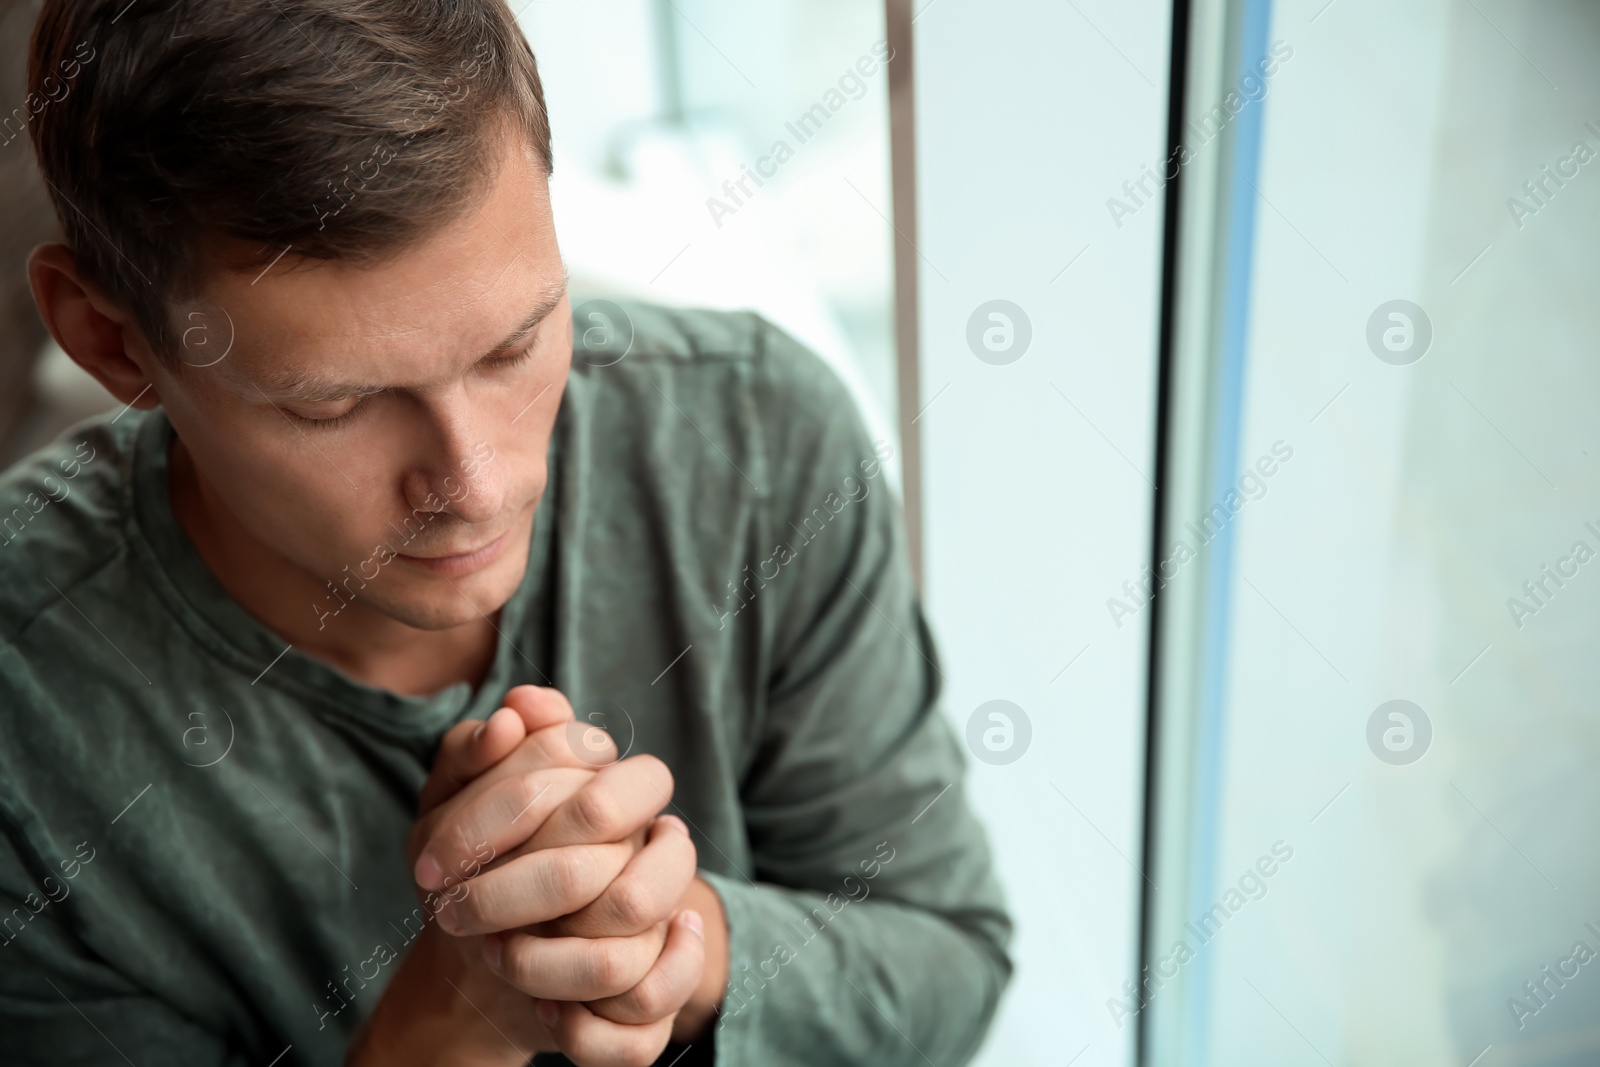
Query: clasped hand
[(559, 879)]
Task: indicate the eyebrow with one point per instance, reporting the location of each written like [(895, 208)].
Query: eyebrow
[(315, 388)]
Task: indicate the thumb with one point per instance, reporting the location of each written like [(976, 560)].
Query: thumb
[(539, 706), (467, 750)]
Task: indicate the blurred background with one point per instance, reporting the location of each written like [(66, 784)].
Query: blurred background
[(1255, 497)]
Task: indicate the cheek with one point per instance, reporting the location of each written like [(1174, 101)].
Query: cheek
[(290, 496), (303, 508), (522, 447)]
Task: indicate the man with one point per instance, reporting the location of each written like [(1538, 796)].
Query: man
[(257, 803)]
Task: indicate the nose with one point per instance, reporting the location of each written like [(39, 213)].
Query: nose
[(457, 471)]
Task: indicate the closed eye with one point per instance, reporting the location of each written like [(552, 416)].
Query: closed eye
[(508, 361), (496, 363), (331, 422)]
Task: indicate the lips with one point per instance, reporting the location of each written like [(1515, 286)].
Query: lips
[(461, 563)]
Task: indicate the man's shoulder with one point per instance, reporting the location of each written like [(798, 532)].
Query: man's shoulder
[(63, 516), (606, 331), (671, 345), (724, 406)]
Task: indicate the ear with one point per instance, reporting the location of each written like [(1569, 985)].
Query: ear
[(99, 336)]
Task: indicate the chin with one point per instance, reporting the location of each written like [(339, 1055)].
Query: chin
[(438, 603)]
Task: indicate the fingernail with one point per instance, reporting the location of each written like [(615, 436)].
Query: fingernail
[(675, 822), (549, 1014), (696, 925), (427, 872), (449, 921), (493, 951)]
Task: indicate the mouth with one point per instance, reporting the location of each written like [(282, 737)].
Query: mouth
[(461, 563)]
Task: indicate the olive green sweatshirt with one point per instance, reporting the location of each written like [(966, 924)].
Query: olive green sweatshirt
[(202, 829)]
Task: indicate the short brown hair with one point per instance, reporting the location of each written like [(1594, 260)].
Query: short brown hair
[(332, 128)]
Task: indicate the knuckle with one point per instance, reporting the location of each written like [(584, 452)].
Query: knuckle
[(529, 785), (571, 779), (651, 997), (606, 969), (516, 961), (476, 905), (594, 812), (569, 875), (631, 906), (463, 828), (629, 965), (488, 900), (586, 1043)]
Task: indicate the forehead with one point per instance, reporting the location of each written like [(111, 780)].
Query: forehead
[(411, 317)]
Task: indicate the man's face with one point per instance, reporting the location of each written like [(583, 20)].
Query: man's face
[(384, 426)]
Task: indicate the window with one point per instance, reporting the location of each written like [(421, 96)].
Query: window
[(1376, 806)]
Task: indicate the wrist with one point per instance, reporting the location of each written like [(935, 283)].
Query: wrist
[(695, 1019), (423, 1019)]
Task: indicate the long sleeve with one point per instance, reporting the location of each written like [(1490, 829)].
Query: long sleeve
[(873, 930), (59, 1005)]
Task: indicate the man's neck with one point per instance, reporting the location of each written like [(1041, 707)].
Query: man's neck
[(367, 645)]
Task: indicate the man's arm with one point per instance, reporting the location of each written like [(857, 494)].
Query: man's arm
[(872, 928), (60, 1004)]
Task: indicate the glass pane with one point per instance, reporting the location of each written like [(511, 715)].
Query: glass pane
[(1386, 853)]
